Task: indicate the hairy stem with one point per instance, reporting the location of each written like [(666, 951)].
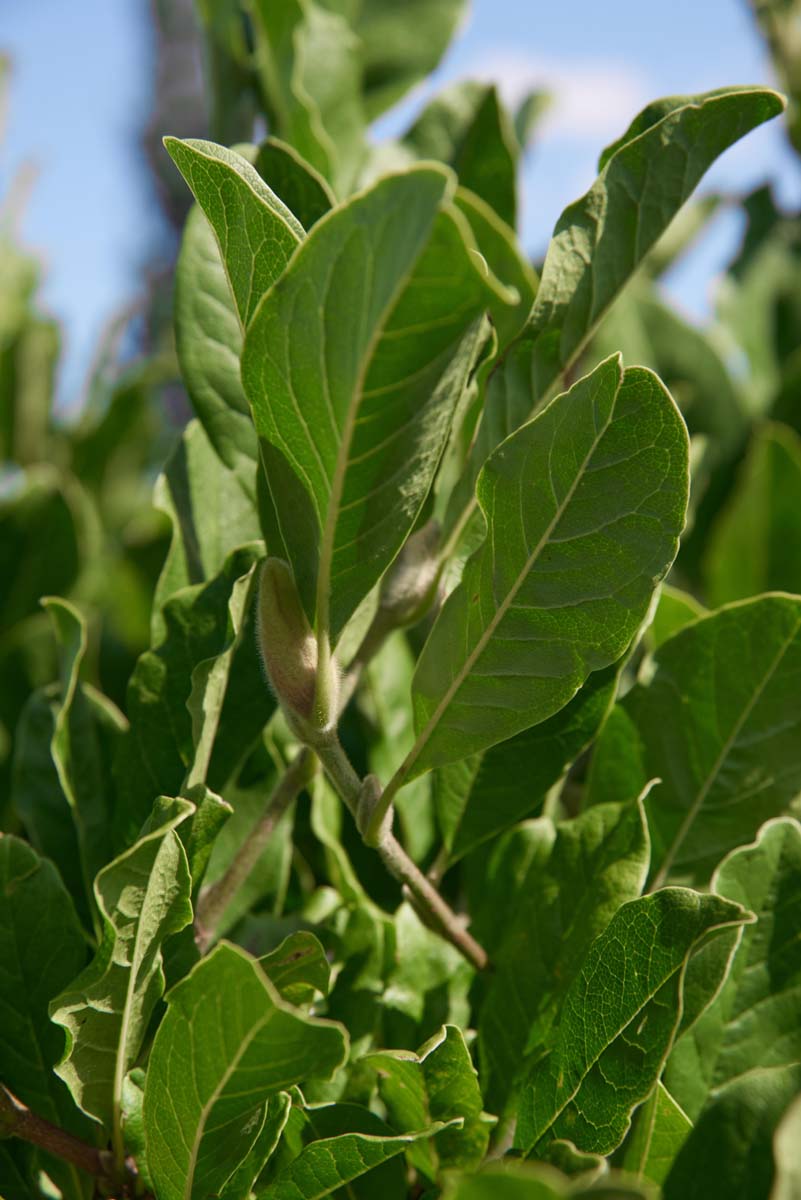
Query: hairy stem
[(354, 791), (17, 1120)]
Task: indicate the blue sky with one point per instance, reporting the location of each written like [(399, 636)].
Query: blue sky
[(83, 75)]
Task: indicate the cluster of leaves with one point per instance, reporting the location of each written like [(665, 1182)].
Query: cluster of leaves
[(213, 981)]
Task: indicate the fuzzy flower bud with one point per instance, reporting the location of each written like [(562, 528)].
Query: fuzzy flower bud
[(286, 641), (410, 583)]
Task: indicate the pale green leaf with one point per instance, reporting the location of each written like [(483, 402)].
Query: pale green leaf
[(618, 1021), (437, 1084), (660, 1130), (755, 1019), (674, 610), (584, 506), (601, 238), (241, 1183), (227, 1044), (255, 231), (786, 1144), (353, 365), (755, 544), (143, 898)]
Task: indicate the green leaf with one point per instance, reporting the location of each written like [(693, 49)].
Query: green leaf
[(497, 243), (212, 512), (437, 1084), (241, 1184), (674, 610), (81, 746), (303, 191), (227, 1044), (660, 1130), (308, 59), (255, 231), (601, 238), (755, 544), (428, 982), (478, 797), (467, 127), (143, 898), (17, 1172), (42, 948), (550, 890), (730, 1150), (618, 1021), (584, 506), (353, 365), (208, 339), (158, 751), (298, 968), (718, 724), (755, 1018), (339, 1144)]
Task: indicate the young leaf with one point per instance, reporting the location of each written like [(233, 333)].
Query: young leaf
[(339, 1144), (227, 1044), (601, 238), (437, 1084), (727, 754), (467, 127), (353, 365), (674, 610), (510, 1179), (255, 231), (569, 880), (298, 968), (498, 244), (755, 1018), (42, 948), (308, 59), (660, 1130), (730, 1150), (303, 191), (143, 898), (756, 543), (241, 1183), (478, 797), (584, 506), (618, 1021)]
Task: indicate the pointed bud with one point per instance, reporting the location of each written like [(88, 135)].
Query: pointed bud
[(286, 641)]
